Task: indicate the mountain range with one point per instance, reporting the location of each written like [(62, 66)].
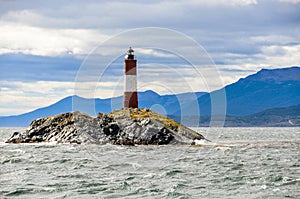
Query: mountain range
[(281, 117), (266, 89)]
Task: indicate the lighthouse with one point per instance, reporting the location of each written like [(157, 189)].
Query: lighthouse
[(130, 88)]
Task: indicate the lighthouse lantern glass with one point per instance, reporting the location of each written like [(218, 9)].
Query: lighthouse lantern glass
[(130, 53)]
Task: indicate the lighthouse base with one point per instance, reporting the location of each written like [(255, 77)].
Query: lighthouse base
[(130, 100)]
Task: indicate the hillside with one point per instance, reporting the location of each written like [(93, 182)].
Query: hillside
[(264, 90), (276, 117), (281, 117)]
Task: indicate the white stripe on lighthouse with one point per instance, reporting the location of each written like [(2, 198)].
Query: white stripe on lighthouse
[(130, 83)]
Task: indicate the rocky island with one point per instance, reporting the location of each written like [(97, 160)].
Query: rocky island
[(128, 126)]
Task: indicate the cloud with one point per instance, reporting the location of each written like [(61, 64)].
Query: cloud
[(225, 2), (290, 1), (20, 97), (113, 16), (20, 67), (27, 96), (154, 52), (278, 56), (48, 29), (45, 44), (275, 39)]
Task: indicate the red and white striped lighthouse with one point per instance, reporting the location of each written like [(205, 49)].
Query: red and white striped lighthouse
[(130, 92)]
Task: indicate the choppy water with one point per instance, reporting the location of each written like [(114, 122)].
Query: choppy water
[(242, 163)]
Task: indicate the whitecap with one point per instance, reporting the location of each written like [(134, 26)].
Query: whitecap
[(202, 142)]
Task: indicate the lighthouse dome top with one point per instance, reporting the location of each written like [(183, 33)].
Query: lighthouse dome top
[(130, 51), (130, 54)]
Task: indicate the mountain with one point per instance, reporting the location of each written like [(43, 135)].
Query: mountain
[(276, 117), (272, 88), (148, 99), (267, 89), (264, 90), (289, 116)]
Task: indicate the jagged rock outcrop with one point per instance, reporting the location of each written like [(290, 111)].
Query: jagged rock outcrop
[(124, 127)]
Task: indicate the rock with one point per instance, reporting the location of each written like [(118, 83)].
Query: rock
[(124, 127)]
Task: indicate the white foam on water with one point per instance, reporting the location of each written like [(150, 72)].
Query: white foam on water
[(203, 142)]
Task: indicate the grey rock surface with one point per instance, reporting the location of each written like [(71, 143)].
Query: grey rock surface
[(124, 127)]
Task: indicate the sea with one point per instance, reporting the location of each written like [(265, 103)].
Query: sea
[(237, 163)]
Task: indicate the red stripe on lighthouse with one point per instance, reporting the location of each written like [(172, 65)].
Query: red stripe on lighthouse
[(130, 100), (130, 67)]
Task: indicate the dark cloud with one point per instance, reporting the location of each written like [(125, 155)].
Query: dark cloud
[(173, 14), (218, 27), (20, 67)]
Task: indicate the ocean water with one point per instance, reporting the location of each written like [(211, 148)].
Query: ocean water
[(239, 163)]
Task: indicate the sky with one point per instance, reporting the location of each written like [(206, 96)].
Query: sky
[(53, 49)]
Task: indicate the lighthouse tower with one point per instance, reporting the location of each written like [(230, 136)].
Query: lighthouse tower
[(130, 92)]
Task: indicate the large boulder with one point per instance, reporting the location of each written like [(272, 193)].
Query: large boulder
[(125, 127)]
